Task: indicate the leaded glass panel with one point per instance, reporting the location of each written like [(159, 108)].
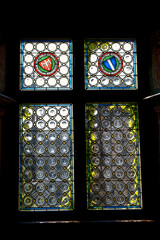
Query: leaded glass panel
[(110, 64), (46, 180), (113, 156), (46, 65)]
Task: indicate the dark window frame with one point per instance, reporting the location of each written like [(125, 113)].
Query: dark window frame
[(78, 97)]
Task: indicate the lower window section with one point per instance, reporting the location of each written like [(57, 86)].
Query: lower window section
[(113, 156), (46, 179)]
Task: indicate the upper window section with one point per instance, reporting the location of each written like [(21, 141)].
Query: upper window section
[(46, 65), (110, 65)]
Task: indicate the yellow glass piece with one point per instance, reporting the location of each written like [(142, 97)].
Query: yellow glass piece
[(104, 46), (130, 123), (92, 46), (27, 112), (93, 136)]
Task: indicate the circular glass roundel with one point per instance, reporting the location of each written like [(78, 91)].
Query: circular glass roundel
[(110, 63), (46, 64), (28, 201)]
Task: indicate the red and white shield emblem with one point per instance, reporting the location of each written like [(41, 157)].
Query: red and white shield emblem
[(46, 64)]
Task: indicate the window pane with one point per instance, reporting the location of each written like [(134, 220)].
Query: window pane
[(46, 65), (46, 157), (113, 156), (110, 64)]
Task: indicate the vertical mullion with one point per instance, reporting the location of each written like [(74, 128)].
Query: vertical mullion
[(79, 128)]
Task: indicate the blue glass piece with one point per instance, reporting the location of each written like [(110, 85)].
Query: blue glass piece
[(110, 64)]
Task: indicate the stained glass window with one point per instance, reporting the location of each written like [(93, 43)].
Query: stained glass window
[(110, 64), (46, 157), (46, 65), (113, 156)]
